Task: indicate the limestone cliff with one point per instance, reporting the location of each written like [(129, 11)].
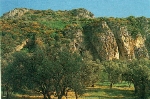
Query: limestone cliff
[(140, 48), (18, 12), (125, 44), (105, 43), (129, 47), (120, 45)]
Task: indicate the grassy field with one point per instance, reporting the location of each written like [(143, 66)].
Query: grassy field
[(100, 91)]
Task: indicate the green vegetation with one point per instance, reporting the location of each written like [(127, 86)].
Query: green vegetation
[(54, 53)]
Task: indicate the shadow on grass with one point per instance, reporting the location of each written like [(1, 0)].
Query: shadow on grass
[(107, 93)]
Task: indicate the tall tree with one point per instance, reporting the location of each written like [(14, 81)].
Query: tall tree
[(112, 68), (140, 72), (15, 74)]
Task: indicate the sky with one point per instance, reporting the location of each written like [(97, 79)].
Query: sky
[(100, 8)]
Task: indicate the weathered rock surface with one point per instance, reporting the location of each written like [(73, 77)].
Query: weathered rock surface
[(125, 44), (119, 45), (82, 13), (140, 48), (75, 36), (18, 12), (105, 43)]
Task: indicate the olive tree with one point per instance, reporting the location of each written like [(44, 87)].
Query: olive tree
[(113, 70), (57, 69), (15, 74), (91, 70), (139, 72)]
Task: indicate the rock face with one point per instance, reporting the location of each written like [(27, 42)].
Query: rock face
[(21, 46), (77, 42), (18, 12), (121, 46), (105, 43), (140, 49), (75, 36), (129, 47), (125, 44)]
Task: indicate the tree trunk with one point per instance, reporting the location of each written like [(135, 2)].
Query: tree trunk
[(66, 95), (59, 96), (7, 95), (111, 84), (3, 91), (143, 89), (135, 87), (48, 95), (92, 85), (129, 83), (44, 93), (63, 91), (76, 95), (44, 96), (7, 92)]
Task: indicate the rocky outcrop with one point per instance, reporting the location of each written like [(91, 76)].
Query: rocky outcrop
[(105, 43), (130, 48), (81, 13), (18, 12), (75, 36), (109, 45), (125, 44), (140, 48), (77, 41), (21, 46)]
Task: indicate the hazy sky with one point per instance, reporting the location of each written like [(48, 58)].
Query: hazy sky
[(100, 8)]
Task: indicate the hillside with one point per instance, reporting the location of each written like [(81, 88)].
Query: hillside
[(61, 51), (105, 38)]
